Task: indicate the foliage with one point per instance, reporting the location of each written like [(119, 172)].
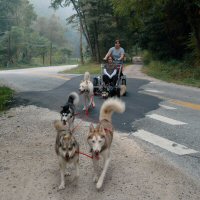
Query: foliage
[(174, 71), (5, 95)]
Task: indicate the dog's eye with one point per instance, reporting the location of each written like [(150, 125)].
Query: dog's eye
[(93, 141), (100, 141), (74, 144)]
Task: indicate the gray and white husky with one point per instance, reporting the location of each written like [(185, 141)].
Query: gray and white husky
[(67, 150), (100, 137)]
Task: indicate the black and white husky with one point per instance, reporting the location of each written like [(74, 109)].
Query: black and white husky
[(68, 110)]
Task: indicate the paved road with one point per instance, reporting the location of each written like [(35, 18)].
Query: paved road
[(137, 104)]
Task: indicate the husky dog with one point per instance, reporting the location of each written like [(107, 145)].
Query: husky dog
[(122, 90), (68, 110), (86, 88), (100, 138), (67, 150)]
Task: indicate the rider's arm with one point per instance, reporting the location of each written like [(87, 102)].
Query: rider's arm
[(122, 54), (108, 54), (106, 73), (114, 72)]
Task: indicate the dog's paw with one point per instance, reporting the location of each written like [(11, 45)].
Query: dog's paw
[(99, 184), (95, 179), (67, 174), (61, 187)]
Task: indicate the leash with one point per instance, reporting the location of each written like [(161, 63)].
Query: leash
[(78, 152)]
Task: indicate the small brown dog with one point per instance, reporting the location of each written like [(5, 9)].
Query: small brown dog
[(67, 149), (100, 138)]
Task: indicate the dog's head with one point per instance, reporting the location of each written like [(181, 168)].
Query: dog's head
[(66, 114), (65, 140), (68, 145), (83, 87), (96, 140)]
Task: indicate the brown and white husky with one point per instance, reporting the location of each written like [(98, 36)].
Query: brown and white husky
[(67, 149), (100, 137)]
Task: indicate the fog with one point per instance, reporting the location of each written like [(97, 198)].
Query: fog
[(42, 9)]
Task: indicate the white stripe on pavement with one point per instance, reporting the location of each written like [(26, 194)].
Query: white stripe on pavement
[(154, 91), (164, 143), (167, 107), (165, 119)]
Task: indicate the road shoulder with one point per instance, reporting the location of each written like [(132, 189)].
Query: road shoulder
[(29, 167)]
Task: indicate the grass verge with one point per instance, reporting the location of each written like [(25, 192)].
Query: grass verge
[(93, 68), (174, 71), (6, 94)]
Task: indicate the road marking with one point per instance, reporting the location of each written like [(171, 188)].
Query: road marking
[(51, 75), (186, 104), (163, 143), (167, 107), (154, 91), (165, 119)]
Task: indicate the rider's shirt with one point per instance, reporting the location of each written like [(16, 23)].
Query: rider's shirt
[(110, 68), (116, 53)]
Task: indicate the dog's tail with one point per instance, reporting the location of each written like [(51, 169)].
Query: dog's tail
[(109, 106), (86, 76), (73, 98), (58, 125)]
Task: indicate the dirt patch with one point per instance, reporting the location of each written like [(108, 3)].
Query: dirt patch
[(29, 168)]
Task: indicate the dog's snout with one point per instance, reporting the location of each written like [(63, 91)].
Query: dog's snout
[(96, 151)]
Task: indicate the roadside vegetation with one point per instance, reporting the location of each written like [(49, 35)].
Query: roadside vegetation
[(93, 68), (175, 71), (6, 95)]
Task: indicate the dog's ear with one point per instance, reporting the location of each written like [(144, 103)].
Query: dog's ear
[(91, 128)]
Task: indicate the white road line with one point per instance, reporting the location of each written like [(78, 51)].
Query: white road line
[(164, 143), (166, 119), (154, 91), (167, 107)]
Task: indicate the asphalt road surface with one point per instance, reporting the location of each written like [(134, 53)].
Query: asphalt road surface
[(137, 104)]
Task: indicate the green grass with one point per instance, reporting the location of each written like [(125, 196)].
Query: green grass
[(6, 94), (174, 71), (93, 68)]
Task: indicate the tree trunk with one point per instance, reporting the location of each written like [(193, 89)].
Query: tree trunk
[(96, 36), (81, 46), (83, 26)]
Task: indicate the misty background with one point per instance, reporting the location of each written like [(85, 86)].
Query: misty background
[(43, 9)]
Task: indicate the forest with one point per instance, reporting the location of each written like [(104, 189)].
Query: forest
[(165, 30)]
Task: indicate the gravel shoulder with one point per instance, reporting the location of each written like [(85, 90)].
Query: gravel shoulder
[(29, 166)]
